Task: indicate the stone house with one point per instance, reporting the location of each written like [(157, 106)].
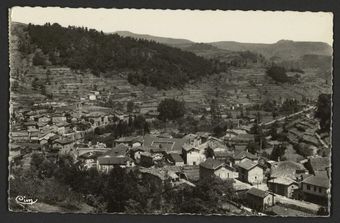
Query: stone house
[(192, 155), (107, 163), (211, 167), (316, 189), (175, 159), (250, 172), (259, 200), (283, 186)]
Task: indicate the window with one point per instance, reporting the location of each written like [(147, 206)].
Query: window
[(315, 188), (308, 187), (194, 163), (320, 190)]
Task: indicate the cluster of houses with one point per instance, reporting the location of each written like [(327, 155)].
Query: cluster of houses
[(260, 182), (54, 128)]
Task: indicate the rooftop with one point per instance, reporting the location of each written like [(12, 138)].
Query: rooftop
[(257, 192), (282, 180), (244, 154), (212, 164), (319, 163), (320, 181), (112, 160), (176, 157), (247, 164)]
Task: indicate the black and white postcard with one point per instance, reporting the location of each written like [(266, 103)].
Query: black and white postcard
[(140, 111)]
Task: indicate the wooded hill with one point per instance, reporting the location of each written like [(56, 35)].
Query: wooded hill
[(146, 62)]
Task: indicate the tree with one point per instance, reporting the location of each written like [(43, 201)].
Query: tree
[(170, 109), (38, 59), (290, 106), (278, 152), (130, 106), (260, 138), (268, 106), (253, 147), (273, 131), (323, 112), (215, 112), (277, 73), (209, 153)]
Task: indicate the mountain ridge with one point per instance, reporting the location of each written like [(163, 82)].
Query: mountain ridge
[(283, 49)]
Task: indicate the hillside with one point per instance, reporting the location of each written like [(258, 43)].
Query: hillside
[(146, 62), (284, 52), (164, 40), (283, 49)]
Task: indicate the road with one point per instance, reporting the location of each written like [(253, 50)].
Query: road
[(306, 205), (288, 116)]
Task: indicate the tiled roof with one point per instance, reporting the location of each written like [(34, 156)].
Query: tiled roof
[(319, 163), (191, 172), (257, 192), (188, 147), (244, 154), (211, 164), (170, 144), (287, 169), (119, 150), (320, 181), (112, 160), (176, 157), (282, 180), (247, 164)]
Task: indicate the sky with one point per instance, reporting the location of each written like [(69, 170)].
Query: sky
[(195, 25)]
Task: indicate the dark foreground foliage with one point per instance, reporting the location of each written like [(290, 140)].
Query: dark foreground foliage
[(121, 190)]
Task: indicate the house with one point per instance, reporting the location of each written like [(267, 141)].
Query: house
[(243, 139), (58, 117), (283, 186), (244, 155), (44, 119), (316, 165), (212, 143), (287, 169), (316, 189), (30, 125), (259, 200), (176, 159), (192, 155), (157, 177), (98, 119), (120, 150), (211, 167), (223, 155), (92, 97), (250, 172), (231, 133), (62, 145), (107, 163), (89, 159), (62, 127), (129, 141), (34, 135)]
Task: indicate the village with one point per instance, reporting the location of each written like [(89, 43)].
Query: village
[(294, 183), (101, 123)]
